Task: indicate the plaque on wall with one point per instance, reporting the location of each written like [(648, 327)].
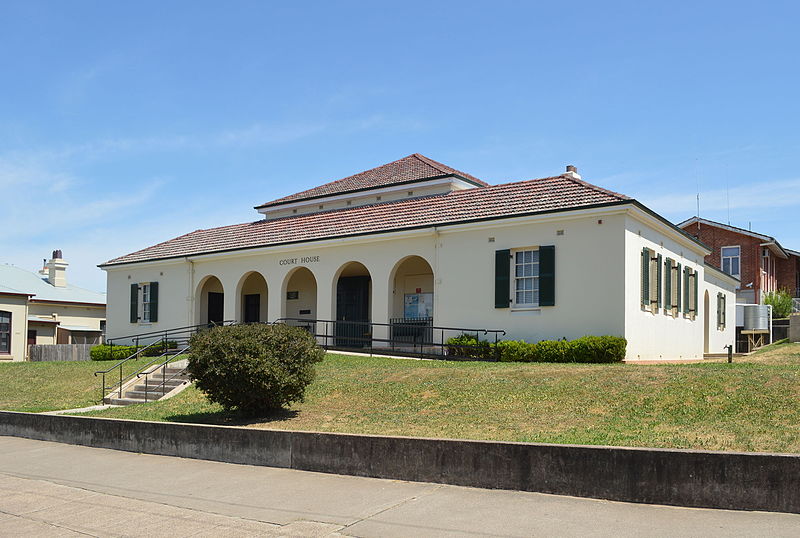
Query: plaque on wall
[(290, 295)]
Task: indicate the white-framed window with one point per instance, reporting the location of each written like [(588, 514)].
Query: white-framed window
[(525, 275), (144, 315), (731, 260)]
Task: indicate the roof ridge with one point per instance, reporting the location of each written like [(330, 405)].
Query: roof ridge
[(447, 169)]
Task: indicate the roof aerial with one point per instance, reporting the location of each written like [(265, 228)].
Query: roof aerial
[(409, 169)]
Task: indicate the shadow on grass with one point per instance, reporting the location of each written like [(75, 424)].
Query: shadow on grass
[(232, 418)]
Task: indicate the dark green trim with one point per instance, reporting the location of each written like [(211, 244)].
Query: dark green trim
[(502, 278), (153, 302), (547, 275), (134, 303)]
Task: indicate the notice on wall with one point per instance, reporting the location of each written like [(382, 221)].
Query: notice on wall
[(418, 305)]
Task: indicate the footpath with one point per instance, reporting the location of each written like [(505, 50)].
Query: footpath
[(53, 489)]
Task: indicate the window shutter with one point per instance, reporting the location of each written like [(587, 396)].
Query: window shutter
[(154, 301), (685, 290), (724, 310), (547, 275), (645, 277), (659, 273), (719, 310), (668, 286), (678, 295), (696, 308), (134, 303), (502, 278)]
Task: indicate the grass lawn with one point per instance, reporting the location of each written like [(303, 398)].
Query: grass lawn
[(49, 386), (751, 405)]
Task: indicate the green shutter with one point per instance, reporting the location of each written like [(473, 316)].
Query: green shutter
[(547, 275), (685, 290), (134, 303), (724, 308), (659, 274), (502, 278), (696, 310), (154, 301), (668, 286), (646, 277), (678, 289)]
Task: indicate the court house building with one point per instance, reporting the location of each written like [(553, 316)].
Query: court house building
[(418, 242)]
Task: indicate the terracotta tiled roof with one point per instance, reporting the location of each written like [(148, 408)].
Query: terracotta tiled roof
[(409, 169), (525, 197)]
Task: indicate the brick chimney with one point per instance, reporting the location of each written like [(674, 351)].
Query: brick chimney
[(572, 171), (57, 270)]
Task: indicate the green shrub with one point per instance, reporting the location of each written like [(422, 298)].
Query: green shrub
[(105, 352), (552, 351), (516, 351), (470, 347), (587, 349), (253, 368), (781, 302), (600, 349)]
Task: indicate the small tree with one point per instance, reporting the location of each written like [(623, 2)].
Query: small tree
[(781, 302), (253, 369)]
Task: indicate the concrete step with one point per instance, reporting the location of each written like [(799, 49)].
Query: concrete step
[(123, 401), (140, 395)]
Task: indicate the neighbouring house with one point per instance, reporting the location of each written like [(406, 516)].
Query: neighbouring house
[(418, 243), (758, 260), (45, 309)]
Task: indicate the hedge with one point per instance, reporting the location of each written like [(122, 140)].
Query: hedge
[(587, 349), (105, 352)]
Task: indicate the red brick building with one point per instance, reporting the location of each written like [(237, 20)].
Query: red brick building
[(758, 260)]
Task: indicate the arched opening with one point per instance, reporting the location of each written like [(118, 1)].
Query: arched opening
[(210, 300), (252, 298), (411, 301), (353, 306), (707, 322), (300, 299)]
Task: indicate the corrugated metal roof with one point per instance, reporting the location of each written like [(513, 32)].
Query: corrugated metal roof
[(16, 280)]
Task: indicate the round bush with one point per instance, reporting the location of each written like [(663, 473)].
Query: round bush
[(253, 369)]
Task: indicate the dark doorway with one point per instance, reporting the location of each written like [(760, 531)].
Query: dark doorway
[(31, 337), (252, 308), (216, 307), (352, 311)]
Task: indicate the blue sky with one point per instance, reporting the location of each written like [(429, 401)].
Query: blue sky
[(126, 124)]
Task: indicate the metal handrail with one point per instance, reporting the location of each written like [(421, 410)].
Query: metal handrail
[(419, 344), (174, 330), (164, 379)]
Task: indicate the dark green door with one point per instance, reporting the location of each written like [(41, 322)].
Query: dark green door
[(352, 311), (216, 307)]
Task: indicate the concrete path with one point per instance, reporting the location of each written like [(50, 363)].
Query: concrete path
[(51, 489)]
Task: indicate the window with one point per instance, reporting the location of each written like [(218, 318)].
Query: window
[(145, 317), (144, 302), (721, 304), (5, 332), (526, 278), (731, 259), (651, 280), (690, 293), (672, 287)]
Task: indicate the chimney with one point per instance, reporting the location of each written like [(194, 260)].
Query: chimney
[(57, 270), (572, 171)]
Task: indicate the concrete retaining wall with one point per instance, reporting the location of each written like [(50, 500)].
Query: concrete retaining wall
[(744, 481), (794, 328)]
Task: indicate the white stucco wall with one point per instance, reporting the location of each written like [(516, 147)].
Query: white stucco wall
[(17, 305), (713, 283), (597, 283)]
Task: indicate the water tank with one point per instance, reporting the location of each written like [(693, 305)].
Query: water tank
[(756, 317)]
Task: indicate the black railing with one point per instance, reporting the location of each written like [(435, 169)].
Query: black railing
[(402, 336), (160, 343)]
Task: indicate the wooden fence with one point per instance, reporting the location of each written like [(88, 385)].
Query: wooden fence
[(59, 352)]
